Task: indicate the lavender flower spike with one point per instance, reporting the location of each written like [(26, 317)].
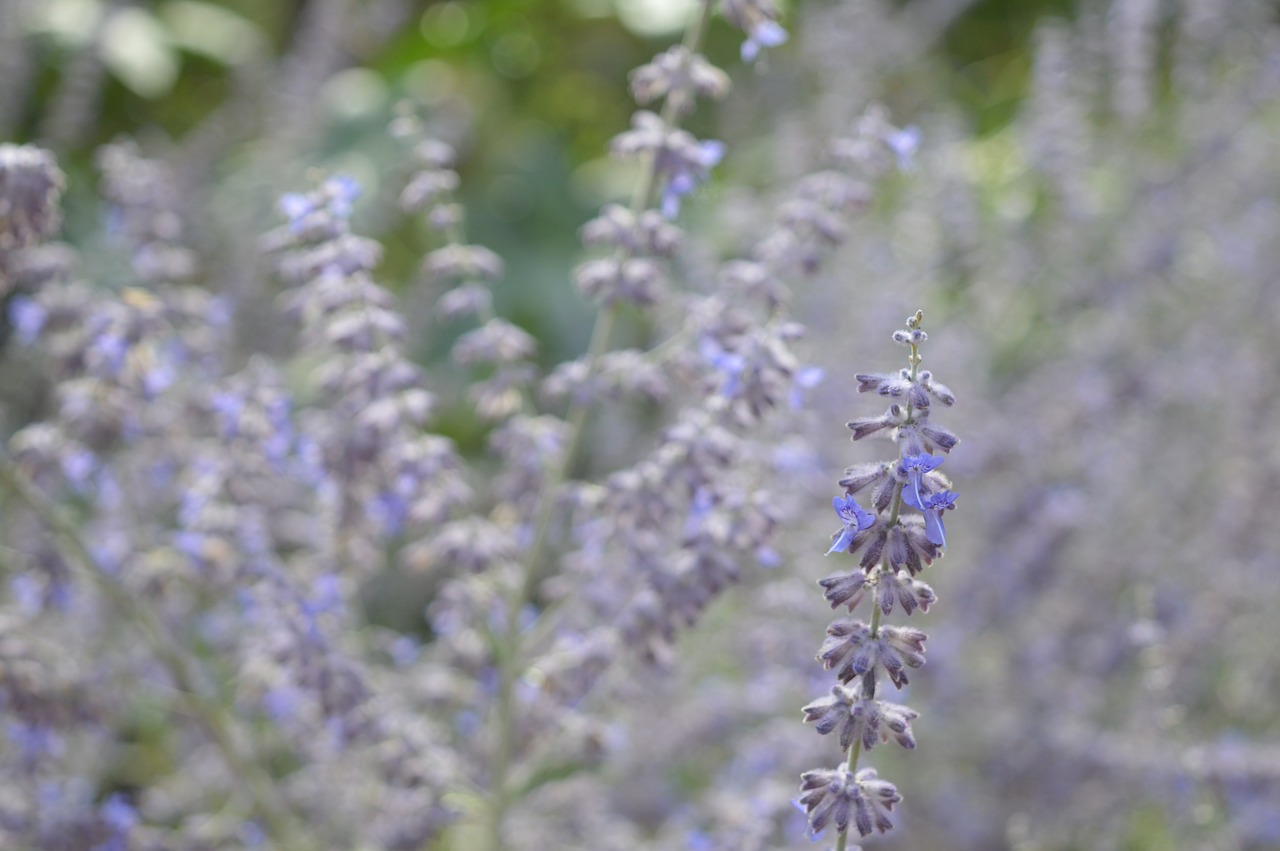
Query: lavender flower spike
[(855, 520), (864, 654)]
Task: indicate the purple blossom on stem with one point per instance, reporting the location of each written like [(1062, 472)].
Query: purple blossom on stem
[(27, 317), (855, 520), (932, 507), (916, 466), (764, 33), (685, 176), (730, 364)]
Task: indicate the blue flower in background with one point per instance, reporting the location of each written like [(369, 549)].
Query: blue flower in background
[(27, 318), (337, 194), (806, 378), (855, 519), (687, 176), (904, 143), (764, 33), (726, 362), (343, 192)]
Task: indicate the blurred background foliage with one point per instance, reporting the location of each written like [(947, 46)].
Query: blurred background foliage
[(530, 89)]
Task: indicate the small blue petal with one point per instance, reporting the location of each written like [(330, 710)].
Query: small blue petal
[(933, 528), (27, 318), (710, 152), (769, 33), (295, 207), (670, 203), (842, 542)]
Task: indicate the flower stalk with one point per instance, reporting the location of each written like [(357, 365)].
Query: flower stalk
[(894, 547), (508, 649)]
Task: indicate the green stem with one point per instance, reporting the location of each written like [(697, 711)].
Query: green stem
[(508, 645), (269, 805)]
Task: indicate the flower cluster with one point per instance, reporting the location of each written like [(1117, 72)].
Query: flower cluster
[(892, 547)]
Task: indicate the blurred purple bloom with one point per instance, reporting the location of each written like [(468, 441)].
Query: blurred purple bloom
[(342, 191), (282, 702), (326, 595), (404, 651), (727, 362), (33, 741), (389, 510), (27, 318), (295, 207), (78, 465), (806, 378), (111, 348), (27, 593), (904, 143), (764, 33), (855, 520), (119, 814), (252, 835), (687, 176), (697, 840), (190, 544)]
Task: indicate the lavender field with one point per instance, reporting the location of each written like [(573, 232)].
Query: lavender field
[(426, 425)]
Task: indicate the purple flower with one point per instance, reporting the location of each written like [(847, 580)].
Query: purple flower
[(699, 507), (806, 378), (33, 741), (119, 814), (916, 466), (282, 702), (295, 207), (27, 318), (78, 465), (342, 191), (337, 195), (904, 143), (932, 506), (228, 408), (855, 520), (688, 175), (764, 33), (727, 362)]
